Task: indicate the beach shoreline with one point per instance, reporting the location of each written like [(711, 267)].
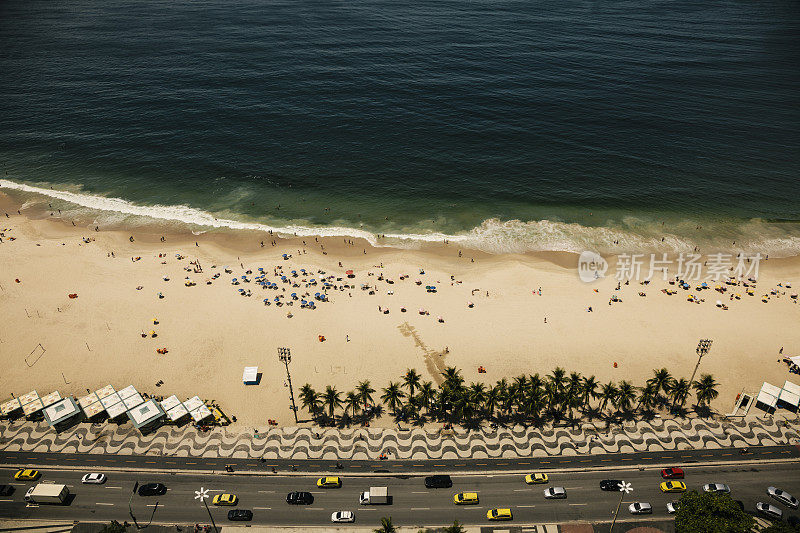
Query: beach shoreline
[(212, 332)]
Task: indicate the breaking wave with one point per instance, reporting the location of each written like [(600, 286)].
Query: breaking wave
[(628, 234)]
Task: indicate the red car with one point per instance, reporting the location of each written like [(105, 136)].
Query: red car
[(672, 473)]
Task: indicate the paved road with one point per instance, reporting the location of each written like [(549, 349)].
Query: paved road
[(449, 465), (413, 504)]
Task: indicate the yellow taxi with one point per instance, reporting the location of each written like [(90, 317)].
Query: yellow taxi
[(499, 514), (536, 478), (465, 498), (673, 486), (332, 482), (225, 499), (27, 475)]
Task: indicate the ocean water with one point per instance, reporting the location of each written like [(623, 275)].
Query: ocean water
[(502, 125)]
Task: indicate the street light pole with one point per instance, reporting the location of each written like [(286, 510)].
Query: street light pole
[(285, 356), (703, 347), (624, 489), (202, 495)]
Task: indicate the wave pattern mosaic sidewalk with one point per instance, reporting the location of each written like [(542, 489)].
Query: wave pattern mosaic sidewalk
[(418, 444)]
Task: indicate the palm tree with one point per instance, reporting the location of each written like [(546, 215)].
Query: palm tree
[(491, 400), (392, 396), (558, 378), (352, 403), (411, 380), (365, 393), (332, 398), (455, 528), (426, 395), (386, 526), (649, 396), (589, 390), (705, 389), (573, 391), (309, 399), (661, 381), (476, 395), (608, 394), (452, 377), (626, 393), (680, 391), (502, 394)]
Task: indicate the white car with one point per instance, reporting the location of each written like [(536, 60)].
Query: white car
[(782, 496), (555, 493), (640, 508), (672, 507), (343, 517), (770, 511), (716, 487), (94, 478)]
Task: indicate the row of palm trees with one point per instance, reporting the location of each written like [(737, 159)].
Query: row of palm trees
[(526, 398)]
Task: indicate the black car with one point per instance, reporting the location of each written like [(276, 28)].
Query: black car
[(152, 489), (610, 484), (6, 490), (438, 482), (299, 498), (240, 515)]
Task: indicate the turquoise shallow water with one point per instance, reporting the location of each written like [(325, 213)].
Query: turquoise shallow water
[(507, 125)]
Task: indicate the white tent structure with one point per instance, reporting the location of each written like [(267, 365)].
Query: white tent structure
[(790, 395), (250, 375), (767, 397)]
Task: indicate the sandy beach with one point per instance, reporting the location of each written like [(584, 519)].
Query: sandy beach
[(49, 341)]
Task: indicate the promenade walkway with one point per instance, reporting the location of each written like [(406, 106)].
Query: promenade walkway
[(418, 444)]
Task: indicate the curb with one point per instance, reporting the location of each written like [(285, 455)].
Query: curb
[(258, 473)]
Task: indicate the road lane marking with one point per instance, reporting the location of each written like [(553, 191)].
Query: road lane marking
[(420, 508), (420, 492), (584, 460), (191, 463), (726, 454), (439, 465), (130, 461), (579, 504), (523, 463), (529, 506), (605, 460), (545, 462), (521, 490), (154, 504), (266, 508), (6, 500), (480, 464), (98, 503), (150, 462), (314, 509), (113, 487), (367, 510)]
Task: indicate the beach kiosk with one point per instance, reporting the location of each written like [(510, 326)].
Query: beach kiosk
[(11, 409), (790, 396), (147, 416), (767, 397), (62, 414), (250, 375), (176, 411), (31, 405)]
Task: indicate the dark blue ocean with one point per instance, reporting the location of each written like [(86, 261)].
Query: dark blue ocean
[(510, 125)]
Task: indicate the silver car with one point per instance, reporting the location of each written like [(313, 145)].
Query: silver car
[(555, 493), (770, 511), (343, 517), (784, 497), (640, 508), (94, 478), (717, 487)]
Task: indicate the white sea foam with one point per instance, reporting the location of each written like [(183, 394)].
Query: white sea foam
[(630, 235)]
